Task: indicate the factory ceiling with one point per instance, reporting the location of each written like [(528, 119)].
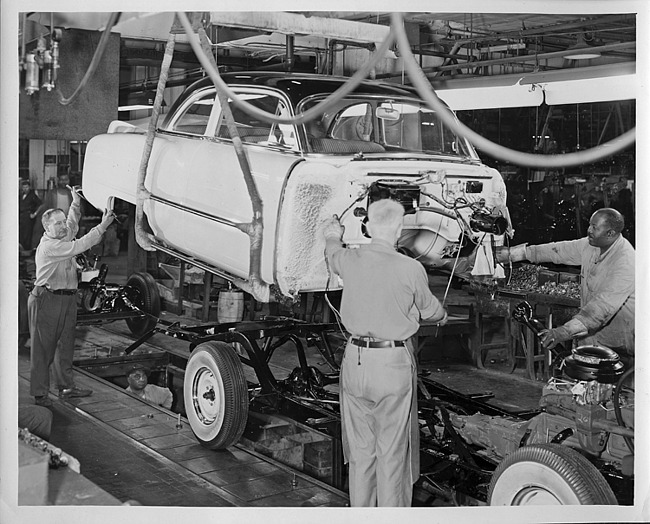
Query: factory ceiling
[(451, 46)]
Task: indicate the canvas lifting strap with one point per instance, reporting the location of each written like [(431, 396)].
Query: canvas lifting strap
[(254, 229)]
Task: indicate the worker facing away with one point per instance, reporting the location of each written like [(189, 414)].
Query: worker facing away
[(52, 303), (385, 295), (606, 258)]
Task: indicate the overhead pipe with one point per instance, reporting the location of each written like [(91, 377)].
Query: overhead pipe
[(331, 50), (298, 66), (514, 59), (525, 58), (453, 55), (290, 54), (330, 55), (522, 33)]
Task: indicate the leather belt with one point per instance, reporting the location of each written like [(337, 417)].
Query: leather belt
[(377, 344), (62, 291)]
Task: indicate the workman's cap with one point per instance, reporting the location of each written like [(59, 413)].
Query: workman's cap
[(134, 368)]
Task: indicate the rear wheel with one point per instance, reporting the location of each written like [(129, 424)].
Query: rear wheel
[(216, 395), (548, 474), (143, 293)]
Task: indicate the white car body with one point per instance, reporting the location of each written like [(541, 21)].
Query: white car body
[(198, 193)]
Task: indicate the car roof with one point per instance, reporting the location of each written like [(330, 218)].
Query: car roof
[(297, 86)]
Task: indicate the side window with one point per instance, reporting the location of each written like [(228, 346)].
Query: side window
[(255, 131), (194, 118)]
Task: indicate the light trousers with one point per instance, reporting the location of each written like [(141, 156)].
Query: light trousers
[(377, 402)]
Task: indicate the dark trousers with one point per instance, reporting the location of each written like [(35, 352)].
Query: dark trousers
[(36, 419), (52, 320), (25, 231)]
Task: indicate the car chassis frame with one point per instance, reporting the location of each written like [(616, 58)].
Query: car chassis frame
[(451, 469)]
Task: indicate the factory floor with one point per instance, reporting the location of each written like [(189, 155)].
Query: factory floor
[(138, 454), (161, 465)]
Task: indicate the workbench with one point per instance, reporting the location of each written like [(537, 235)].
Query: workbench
[(521, 343)]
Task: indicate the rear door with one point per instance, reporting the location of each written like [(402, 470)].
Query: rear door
[(217, 193)]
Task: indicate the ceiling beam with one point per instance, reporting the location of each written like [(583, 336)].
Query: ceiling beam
[(546, 30), (298, 24), (526, 58)]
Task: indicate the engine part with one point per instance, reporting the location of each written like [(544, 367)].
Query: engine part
[(594, 363), (617, 404), (592, 439), (498, 436), (488, 223), (473, 186), (406, 194), (591, 393)]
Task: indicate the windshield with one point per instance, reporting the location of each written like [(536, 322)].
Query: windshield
[(383, 125)]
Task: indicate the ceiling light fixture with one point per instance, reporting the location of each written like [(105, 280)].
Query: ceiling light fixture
[(581, 50), (143, 100)]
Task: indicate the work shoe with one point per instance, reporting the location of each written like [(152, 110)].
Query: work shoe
[(74, 392), (43, 401)]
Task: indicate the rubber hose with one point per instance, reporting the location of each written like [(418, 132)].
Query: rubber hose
[(428, 94), (308, 115)]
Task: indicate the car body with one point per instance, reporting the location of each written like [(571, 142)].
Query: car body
[(379, 141)]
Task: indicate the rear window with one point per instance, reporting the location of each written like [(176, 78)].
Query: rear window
[(255, 131), (193, 118)]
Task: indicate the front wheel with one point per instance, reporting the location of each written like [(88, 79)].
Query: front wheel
[(216, 395), (548, 475), (143, 293)]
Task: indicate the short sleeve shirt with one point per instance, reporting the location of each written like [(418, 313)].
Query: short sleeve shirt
[(385, 293)]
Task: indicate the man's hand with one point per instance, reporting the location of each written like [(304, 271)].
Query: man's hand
[(552, 337), (443, 320), (107, 218), (76, 197), (503, 254), (510, 254), (332, 228)]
